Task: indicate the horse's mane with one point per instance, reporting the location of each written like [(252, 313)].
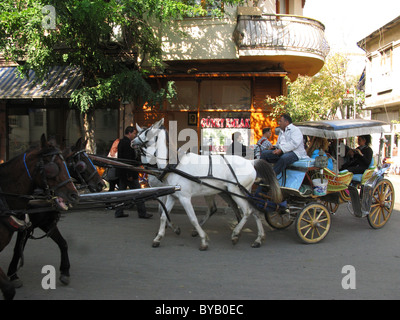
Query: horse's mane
[(49, 147)]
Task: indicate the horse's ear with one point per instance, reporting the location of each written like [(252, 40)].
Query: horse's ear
[(139, 129), (78, 144), (158, 124), (43, 141)]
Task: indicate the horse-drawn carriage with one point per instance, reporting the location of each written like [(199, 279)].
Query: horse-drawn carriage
[(368, 195), (314, 192)]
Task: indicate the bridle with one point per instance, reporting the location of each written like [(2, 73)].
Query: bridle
[(48, 170), (143, 145), (80, 167)]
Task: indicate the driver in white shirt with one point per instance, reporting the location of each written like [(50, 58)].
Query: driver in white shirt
[(289, 148)]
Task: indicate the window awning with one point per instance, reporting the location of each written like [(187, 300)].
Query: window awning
[(61, 83)]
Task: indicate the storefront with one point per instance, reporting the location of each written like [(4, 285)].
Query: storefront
[(217, 105), (27, 110)]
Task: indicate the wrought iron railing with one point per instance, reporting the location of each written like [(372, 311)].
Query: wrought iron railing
[(281, 32)]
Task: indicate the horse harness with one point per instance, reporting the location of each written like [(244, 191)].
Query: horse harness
[(18, 220), (80, 166), (172, 168)]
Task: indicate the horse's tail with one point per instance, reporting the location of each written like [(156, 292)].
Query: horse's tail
[(268, 176)]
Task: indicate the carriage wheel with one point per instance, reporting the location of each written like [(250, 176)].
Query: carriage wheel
[(278, 220), (382, 204), (313, 223)]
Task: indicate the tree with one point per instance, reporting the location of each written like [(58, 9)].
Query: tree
[(327, 95), (80, 37)]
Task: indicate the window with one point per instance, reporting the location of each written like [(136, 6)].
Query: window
[(385, 81), (225, 95), (214, 95), (187, 96), (38, 118), (282, 6), (217, 129)]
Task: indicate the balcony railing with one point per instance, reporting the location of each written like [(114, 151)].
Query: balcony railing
[(281, 32)]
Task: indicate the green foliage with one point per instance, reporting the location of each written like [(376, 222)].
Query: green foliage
[(327, 95), (82, 26)]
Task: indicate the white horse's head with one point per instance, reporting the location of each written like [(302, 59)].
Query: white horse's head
[(153, 143)]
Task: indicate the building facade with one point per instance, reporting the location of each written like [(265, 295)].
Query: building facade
[(382, 78), (223, 69), (28, 109)]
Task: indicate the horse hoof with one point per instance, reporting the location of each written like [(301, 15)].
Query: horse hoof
[(64, 279), (256, 245), (17, 283), (235, 240), (156, 244), (194, 233), (203, 247), (177, 231)]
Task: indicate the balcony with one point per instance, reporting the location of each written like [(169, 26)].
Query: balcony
[(297, 44)]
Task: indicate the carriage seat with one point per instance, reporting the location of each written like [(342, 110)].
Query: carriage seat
[(337, 182), (363, 177), (303, 163)]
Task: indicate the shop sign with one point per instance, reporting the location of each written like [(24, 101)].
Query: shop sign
[(225, 123)]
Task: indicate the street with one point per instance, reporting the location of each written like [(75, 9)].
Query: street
[(113, 259)]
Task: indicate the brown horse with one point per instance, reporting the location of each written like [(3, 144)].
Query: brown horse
[(85, 173), (39, 168)]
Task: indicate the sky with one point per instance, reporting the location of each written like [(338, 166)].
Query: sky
[(348, 21)]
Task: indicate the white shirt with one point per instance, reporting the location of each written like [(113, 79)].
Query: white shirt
[(292, 140)]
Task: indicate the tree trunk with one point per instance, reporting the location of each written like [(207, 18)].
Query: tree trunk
[(89, 128)]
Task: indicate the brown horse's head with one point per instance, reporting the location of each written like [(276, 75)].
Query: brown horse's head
[(82, 168), (47, 170)]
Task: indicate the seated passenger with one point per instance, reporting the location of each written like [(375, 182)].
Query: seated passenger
[(360, 158), (237, 147), (289, 148), (263, 143), (316, 145)]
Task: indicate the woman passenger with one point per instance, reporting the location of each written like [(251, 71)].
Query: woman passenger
[(360, 158), (316, 145)]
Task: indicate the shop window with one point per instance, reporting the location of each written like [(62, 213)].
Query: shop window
[(225, 95), (38, 118), (187, 96), (25, 128), (217, 129), (106, 128)]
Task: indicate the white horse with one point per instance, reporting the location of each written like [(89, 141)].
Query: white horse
[(231, 174)]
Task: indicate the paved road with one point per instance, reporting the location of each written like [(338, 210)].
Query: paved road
[(113, 259)]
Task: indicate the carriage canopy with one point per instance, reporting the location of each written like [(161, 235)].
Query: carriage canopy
[(343, 128)]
